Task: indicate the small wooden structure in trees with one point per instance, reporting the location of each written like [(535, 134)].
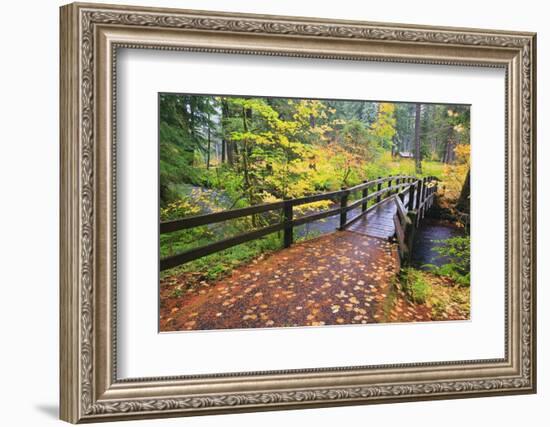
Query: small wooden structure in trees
[(405, 155)]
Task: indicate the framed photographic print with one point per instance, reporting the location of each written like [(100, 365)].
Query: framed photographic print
[(265, 212)]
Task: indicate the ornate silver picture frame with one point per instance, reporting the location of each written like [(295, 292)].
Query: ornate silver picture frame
[(91, 390)]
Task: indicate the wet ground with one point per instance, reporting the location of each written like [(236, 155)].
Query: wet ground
[(339, 278)]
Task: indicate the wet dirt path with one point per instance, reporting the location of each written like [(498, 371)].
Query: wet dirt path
[(339, 278)]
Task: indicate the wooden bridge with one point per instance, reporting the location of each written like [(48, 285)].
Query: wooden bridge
[(388, 207), (342, 277)]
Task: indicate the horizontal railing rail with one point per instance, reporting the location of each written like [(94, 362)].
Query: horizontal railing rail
[(395, 185), (212, 218)]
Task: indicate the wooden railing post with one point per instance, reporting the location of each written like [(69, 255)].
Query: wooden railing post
[(419, 184), (389, 186), (378, 190), (422, 197), (410, 231), (288, 230), (364, 195), (399, 192), (343, 211), (425, 191), (410, 205)]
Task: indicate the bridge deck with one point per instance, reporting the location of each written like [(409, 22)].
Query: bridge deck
[(378, 222)]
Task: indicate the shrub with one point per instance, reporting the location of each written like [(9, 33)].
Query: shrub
[(457, 251), (415, 285)]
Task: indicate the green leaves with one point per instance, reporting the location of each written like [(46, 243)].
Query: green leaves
[(415, 285), (184, 121), (457, 251), (383, 129)]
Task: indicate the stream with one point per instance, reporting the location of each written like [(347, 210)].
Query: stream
[(430, 230)]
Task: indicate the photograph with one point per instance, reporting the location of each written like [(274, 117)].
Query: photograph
[(299, 212)]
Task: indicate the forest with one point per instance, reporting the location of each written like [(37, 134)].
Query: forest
[(260, 149), (226, 152)]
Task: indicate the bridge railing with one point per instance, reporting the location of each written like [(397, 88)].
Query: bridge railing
[(407, 217), (379, 190)]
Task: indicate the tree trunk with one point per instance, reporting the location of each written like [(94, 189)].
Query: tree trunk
[(228, 149), (247, 113), (246, 177), (417, 152), (192, 117), (230, 152), (208, 147), (451, 151), (449, 147), (463, 204), (224, 144), (187, 116)]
